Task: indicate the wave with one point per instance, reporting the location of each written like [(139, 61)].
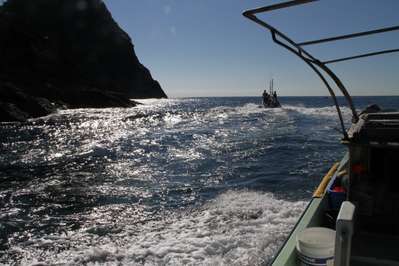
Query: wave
[(327, 111), (237, 228), (252, 108), (246, 109)]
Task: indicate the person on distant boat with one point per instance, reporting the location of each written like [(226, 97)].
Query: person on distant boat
[(266, 98), (275, 101)]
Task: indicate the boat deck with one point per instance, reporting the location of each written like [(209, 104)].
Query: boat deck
[(370, 249)]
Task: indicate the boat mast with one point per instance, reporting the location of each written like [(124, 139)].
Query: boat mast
[(272, 88)]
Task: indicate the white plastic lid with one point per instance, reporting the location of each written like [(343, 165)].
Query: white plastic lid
[(316, 237)]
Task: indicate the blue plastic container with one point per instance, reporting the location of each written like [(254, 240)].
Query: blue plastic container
[(335, 198)]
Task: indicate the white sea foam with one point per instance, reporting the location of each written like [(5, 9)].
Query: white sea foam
[(247, 109), (224, 112), (236, 228), (327, 111)]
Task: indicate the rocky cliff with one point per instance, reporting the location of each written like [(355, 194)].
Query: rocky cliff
[(66, 53)]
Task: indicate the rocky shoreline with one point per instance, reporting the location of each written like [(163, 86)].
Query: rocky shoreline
[(66, 54)]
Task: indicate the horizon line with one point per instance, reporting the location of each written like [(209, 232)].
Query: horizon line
[(238, 96)]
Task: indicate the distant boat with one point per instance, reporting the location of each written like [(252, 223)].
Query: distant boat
[(270, 99)]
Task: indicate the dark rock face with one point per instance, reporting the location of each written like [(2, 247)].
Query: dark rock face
[(16, 105), (68, 52)]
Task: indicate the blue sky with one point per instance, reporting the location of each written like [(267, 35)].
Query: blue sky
[(207, 48)]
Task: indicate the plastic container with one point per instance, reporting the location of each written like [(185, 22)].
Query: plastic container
[(336, 193), (336, 196), (315, 246)]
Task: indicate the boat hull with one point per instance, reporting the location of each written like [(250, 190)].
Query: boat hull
[(311, 217)]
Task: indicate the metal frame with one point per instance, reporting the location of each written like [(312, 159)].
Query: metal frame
[(319, 67)]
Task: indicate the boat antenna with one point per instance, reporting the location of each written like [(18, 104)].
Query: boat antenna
[(318, 66), (271, 90), (272, 85)]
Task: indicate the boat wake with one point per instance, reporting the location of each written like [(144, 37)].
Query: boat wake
[(327, 111), (236, 228)]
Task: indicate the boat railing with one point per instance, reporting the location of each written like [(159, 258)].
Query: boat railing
[(318, 66), (344, 232)]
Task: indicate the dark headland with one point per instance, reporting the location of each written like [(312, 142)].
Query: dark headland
[(66, 53)]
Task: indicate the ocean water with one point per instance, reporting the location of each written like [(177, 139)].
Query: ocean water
[(199, 181)]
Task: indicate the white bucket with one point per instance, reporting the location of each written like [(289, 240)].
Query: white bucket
[(315, 246)]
